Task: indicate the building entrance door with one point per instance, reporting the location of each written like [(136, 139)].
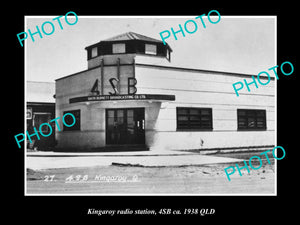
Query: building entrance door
[(125, 126)]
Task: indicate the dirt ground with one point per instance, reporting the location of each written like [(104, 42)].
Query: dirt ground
[(136, 180)]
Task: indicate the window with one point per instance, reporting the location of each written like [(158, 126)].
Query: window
[(194, 118), (94, 52), (40, 118), (168, 54), (118, 48), (69, 120), (251, 119), (150, 49)]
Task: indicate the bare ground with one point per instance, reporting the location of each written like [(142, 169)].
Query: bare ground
[(208, 179)]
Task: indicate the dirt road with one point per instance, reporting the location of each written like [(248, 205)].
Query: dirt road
[(205, 179)]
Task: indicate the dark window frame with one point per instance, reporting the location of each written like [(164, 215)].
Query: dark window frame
[(192, 124), (77, 114), (256, 115)]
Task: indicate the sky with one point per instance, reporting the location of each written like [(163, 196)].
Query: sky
[(236, 44)]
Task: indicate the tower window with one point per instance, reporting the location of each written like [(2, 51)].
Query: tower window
[(150, 49), (94, 52), (118, 48)]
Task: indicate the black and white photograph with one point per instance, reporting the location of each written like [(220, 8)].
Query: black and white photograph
[(154, 115), (151, 105)]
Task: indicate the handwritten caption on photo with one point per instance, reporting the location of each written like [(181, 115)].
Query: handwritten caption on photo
[(73, 179)]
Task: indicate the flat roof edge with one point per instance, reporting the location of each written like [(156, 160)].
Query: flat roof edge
[(197, 70), (171, 67)]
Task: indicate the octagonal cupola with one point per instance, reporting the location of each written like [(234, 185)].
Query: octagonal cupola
[(126, 46)]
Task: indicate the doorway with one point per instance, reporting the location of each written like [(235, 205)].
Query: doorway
[(125, 126)]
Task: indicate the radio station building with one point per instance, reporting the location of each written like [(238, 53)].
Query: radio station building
[(132, 98)]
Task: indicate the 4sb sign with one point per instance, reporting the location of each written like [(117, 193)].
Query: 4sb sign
[(115, 85)]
